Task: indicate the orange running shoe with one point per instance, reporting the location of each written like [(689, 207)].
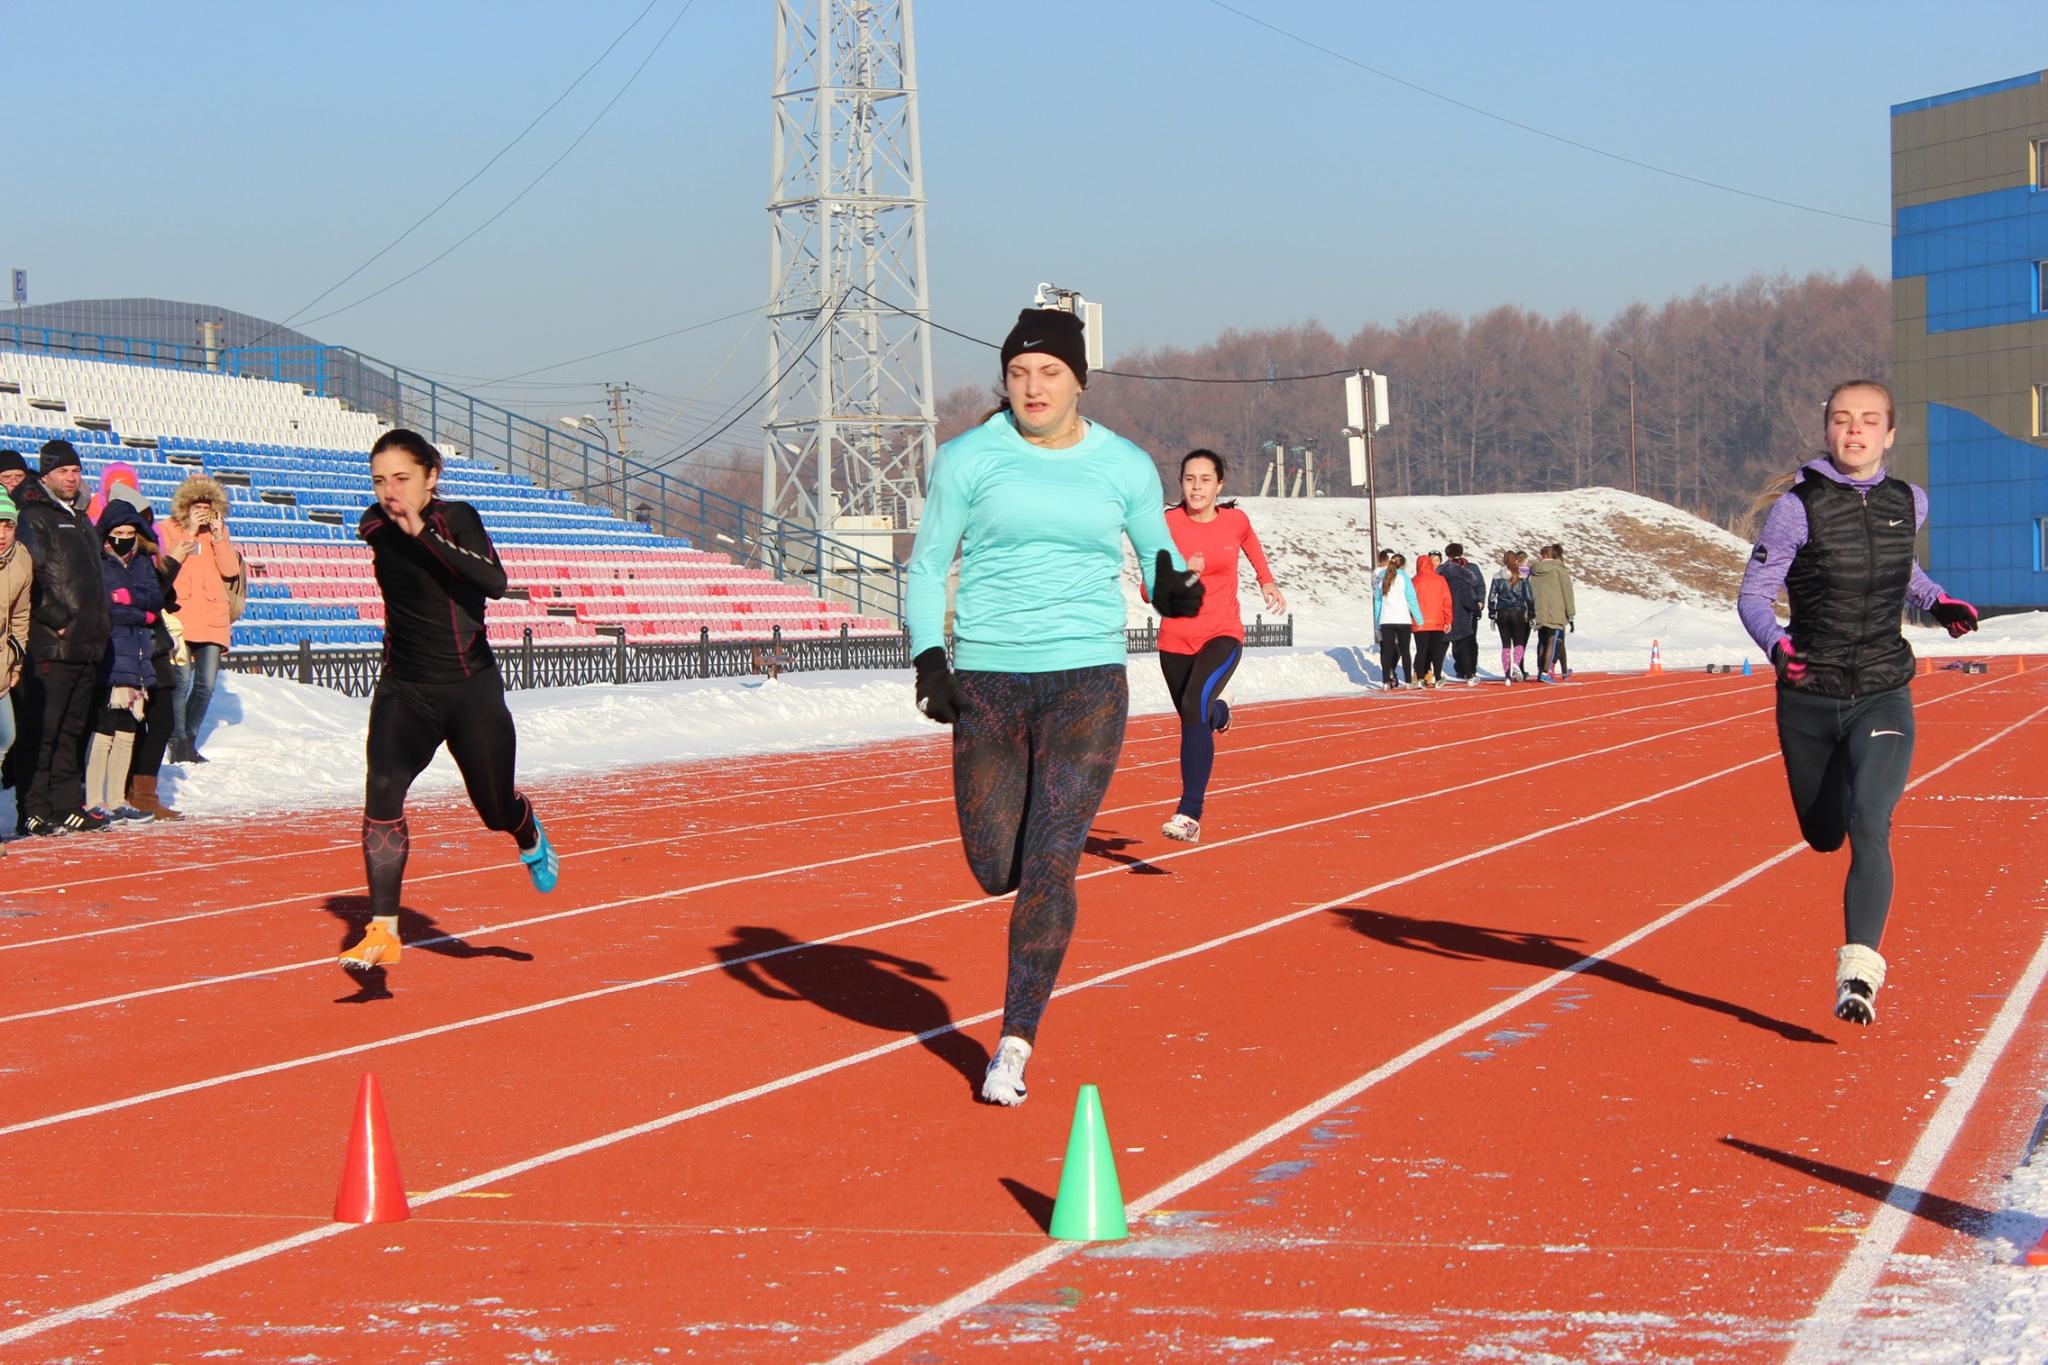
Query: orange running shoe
[(378, 947)]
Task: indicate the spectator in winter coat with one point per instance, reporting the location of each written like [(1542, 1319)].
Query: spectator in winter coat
[(1433, 625), (17, 572), (1509, 606), (67, 635), (1468, 599), (155, 735), (135, 599), (13, 470), (209, 578), (1396, 611), (1379, 570), (1556, 611)]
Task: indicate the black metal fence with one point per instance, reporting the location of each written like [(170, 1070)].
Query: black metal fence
[(354, 672)]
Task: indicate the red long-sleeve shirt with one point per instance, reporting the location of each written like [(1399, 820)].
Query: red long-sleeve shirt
[(1218, 542)]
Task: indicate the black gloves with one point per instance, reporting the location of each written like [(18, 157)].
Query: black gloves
[(1785, 659), (1175, 592), (938, 691), (1958, 616)]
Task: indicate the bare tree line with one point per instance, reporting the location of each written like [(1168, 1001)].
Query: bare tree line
[(1729, 383)]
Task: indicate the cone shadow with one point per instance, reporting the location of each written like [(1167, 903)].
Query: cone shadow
[(1036, 1204), (1472, 943), (418, 932), (865, 985), (1952, 1214)]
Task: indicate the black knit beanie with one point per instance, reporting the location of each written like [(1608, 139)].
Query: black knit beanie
[(56, 455), (1048, 331), (11, 460)]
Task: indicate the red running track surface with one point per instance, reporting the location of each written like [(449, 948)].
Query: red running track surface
[(1492, 1022)]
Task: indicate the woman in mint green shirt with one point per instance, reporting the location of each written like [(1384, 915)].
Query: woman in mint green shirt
[(1037, 502)]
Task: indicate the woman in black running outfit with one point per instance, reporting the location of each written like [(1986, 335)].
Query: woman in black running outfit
[(1839, 541), (440, 685)]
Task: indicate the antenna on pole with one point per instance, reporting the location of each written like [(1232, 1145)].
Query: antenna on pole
[(851, 423)]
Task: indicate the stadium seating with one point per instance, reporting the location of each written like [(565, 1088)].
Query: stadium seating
[(297, 480)]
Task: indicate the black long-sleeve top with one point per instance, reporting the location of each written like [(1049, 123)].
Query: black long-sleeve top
[(434, 586)]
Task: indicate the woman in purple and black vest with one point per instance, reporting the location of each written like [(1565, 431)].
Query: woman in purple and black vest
[(1839, 541)]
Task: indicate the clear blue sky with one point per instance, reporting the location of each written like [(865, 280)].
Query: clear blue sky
[(1193, 170)]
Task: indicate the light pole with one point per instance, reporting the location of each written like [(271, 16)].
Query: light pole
[(588, 423), (1631, 415)]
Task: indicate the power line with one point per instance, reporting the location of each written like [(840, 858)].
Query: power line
[(644, 341), (1121, 374), (530, 185), (421, 221), (1544, 132)]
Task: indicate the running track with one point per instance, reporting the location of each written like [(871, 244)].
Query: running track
[(1487, 1023)]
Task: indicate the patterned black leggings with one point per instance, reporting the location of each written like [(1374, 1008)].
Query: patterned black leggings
[(1032, 758)]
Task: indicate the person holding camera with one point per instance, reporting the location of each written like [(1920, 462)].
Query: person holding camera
[(210, 590), (1038, 502)]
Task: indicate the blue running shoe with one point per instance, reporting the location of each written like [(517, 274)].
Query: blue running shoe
[(1219, 715), (541, 863)]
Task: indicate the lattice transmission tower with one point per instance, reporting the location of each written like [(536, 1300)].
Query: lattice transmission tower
[(850, 424)]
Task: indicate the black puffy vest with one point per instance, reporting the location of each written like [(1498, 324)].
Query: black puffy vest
[(1848, 585)]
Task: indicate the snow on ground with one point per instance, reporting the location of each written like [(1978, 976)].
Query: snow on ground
[(1645, 572)]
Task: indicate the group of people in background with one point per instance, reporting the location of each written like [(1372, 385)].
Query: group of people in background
[(116, 623), (1431, 617)]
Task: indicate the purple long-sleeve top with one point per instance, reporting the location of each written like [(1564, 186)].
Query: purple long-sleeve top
[(1785, 531)]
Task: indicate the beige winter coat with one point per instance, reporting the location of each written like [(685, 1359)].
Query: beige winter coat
[(17, 572)]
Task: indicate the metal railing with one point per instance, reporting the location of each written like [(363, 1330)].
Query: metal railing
[(354, 671), (463, 424)]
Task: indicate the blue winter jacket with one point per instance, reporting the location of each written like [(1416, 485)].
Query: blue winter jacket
[(127, 662)]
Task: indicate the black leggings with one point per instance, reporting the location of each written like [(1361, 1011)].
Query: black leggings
[(1193, 681), (1514, 629), (1394, 641), (1549, 648), (408, 722), (1430, 647), (1847, 764), (1032, 758)]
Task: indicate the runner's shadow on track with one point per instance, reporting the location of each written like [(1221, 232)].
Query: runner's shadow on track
[(1470, 943), (866, 985), (415, 930), (1112, 846), (1952, 1214)]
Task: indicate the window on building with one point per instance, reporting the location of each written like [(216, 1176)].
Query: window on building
[(2041, 163), (2041, 545), (2041, 409)]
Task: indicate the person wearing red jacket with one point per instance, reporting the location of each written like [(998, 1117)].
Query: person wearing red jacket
[(1433, 629), (1199, 653)]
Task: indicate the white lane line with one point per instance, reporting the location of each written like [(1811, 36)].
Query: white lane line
[(113, 1303), (1820, 1337), (700, 969), (772, 874), (457, 807), (1003, 1280)]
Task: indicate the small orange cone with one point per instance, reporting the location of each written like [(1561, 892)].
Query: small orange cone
[(2039, 1255), (371, 1191), (1656, 659)]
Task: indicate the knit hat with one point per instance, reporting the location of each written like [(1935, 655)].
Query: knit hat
[(1048, 331), (131, 495), (11, 460), (57, 454), (8, 511)]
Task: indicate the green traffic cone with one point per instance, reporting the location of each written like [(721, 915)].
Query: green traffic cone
[(1090, 1207)]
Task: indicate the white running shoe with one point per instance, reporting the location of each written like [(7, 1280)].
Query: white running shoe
[(1859, 974), (1186, 828), (1004, 1081)]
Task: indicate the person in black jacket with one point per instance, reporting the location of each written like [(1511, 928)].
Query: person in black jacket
[(1468, 600), (68, 633), (435, 567), (158, 721)]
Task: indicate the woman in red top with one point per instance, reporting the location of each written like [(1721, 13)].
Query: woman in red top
[(1199, 653), (1432, 630)]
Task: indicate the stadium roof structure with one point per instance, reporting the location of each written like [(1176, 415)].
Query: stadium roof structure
[(160, 320)]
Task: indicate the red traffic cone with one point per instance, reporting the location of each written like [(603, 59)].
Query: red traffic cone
[(1656, 660), (371, 1191)]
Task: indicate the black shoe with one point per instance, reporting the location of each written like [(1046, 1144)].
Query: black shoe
[(90, 821), (192, 755), (41, 828), (1856, 1003)]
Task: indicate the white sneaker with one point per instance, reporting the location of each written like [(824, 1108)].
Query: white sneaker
[(1186, 828), (1004, 1081)]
